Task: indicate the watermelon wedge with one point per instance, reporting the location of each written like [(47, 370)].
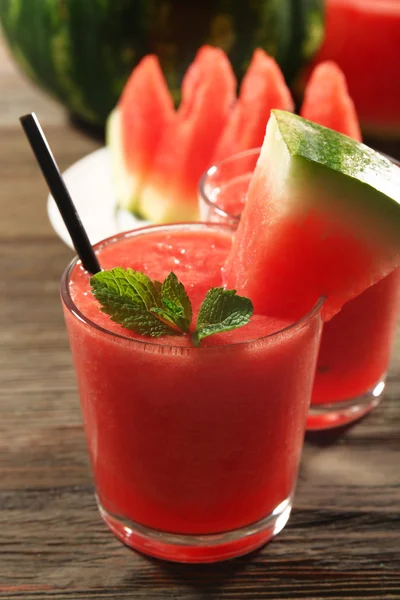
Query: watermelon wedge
[(135, 128), (263, 88), (322, 218), (327, 101), (188, 142)]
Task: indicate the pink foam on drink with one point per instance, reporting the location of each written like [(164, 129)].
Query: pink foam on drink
[(196, 266)]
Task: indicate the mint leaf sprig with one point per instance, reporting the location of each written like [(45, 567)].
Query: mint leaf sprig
[(155, 309), (221, 310)]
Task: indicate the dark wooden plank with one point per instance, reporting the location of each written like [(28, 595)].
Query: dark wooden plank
[(23, 191), (67, 548), (18, 95)]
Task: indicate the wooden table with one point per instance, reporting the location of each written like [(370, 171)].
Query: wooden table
[(343, 539)]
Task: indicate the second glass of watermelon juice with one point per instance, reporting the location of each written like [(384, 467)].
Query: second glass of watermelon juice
[(356, 344), (194, 451)]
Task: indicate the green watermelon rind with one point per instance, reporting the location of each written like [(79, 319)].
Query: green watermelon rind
[(344, 182), (50, 42), (336, 163), (82, 51)]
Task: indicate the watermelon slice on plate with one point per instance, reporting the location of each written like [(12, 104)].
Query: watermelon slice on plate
[(188, 142), (135, 128), (327, 101), (263, 88), (322, 218)]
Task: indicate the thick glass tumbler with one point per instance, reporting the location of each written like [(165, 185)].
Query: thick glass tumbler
[(194, 450), (356, 344)]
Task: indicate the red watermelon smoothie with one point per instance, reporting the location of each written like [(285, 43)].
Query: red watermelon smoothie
[(356, 344), (194, 451)]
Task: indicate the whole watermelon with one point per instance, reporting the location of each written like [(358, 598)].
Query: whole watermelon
[(82, 51)]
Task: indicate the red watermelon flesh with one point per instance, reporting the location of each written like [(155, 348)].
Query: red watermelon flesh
[(144, 111), (263, 88), (322, 218), (327, 101), (363, 38), (189, 141)]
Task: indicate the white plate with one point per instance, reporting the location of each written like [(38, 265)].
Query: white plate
[(89, 182)]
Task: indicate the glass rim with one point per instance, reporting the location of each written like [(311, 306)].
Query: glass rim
[(239, 155), (153, 342), (210, 172)]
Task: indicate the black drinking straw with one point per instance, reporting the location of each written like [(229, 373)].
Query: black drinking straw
[(57, 187)]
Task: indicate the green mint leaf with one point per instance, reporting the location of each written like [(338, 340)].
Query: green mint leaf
[(176, 302), (221, 310), (165, 316), (155, 309), (129, 298), (158, 286), (141, 321), (128, 285)]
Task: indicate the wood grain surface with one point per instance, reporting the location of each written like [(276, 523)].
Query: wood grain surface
[(343, 539)]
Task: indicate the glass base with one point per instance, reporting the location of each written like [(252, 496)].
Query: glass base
[(337, 414), (198, 548)]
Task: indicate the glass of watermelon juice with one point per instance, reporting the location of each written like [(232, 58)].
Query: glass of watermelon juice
[(194, 450), (356, 344)]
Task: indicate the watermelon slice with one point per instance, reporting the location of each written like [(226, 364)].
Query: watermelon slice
[(188, 143), (322, 218), (135, 128), (327, 101), (263, 88)]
